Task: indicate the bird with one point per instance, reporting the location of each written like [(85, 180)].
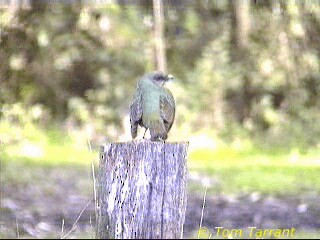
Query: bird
[(153, 106)]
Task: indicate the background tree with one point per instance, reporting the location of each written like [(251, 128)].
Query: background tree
[(252, 65), (160, 47)]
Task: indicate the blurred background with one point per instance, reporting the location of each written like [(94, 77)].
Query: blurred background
[(247, 90)]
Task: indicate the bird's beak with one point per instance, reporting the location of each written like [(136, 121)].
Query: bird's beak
[(169, 77)]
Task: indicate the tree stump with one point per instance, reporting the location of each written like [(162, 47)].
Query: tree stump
[(141, 190)]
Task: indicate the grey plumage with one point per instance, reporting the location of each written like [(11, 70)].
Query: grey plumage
[(153, 106)]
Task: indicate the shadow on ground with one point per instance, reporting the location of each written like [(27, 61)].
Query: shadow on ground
[(49, 206)]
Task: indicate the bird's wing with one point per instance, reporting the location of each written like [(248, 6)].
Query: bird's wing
[(136, 108), (135, 113), (167, 108)]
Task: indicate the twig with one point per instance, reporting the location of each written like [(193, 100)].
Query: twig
[(94, 181), (17, 225), (62, 227), (203, 205), (90, 221), (94, 186), (76, 221)]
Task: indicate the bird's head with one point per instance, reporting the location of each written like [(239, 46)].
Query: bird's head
[(159, 78)]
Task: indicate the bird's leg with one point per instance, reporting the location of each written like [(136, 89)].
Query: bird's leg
[(145, 133)]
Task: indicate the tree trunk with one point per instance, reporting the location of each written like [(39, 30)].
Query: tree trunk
[(160, 46), (142, 190), (240, 29), (240, 25)]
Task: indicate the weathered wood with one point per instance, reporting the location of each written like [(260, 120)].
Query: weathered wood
[(142, 190)]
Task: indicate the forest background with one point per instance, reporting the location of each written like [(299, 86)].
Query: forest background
[(247, 89)]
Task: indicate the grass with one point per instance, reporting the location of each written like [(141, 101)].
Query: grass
[(236, 167), (33, 152), (47, 148), (248, 169), (40, 165)]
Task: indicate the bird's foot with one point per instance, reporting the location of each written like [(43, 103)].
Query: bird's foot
[(159, 138), (144, 135)]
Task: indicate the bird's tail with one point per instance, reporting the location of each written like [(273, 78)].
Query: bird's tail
[(157, 130), (134, 129)]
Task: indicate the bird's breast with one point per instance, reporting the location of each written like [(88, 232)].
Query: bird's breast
[(151, 107)]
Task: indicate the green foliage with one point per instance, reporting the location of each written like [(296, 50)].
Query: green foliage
[(23, 140), (64, 60), (79, 64), (251, 113)]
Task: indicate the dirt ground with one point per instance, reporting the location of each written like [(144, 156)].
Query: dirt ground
[(49, 206)]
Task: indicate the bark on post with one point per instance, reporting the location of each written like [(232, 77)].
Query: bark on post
[(142, 190)]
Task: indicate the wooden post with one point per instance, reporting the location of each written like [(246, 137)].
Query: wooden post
[(142, 190)]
